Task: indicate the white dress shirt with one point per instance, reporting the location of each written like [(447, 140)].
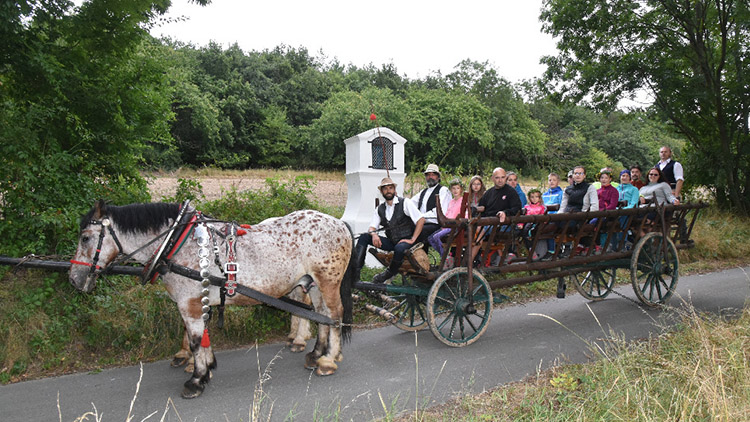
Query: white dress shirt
[(445, 199), (409, 209)]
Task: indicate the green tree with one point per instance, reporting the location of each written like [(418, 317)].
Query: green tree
[(346, 114), (693, 58), (451, 129), (80, 98), (518, 140)]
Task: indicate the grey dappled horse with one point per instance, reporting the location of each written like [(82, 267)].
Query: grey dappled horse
[(273, 258)]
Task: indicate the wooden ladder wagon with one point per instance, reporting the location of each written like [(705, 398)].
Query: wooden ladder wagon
[(456, 303)]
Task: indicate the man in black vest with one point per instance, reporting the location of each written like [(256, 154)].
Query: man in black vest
[(402, 222), (671, 169), (425, 201)]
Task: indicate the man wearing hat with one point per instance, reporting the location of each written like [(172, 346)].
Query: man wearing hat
[(402, 222), (425, 201)]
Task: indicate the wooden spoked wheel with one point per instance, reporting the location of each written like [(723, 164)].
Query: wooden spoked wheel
[(654, 271), (409, 309), (459, 316), (595, 285)]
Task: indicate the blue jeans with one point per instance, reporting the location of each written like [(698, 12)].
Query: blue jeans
[(387, 245)]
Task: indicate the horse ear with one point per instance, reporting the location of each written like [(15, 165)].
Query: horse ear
[(100, 209)]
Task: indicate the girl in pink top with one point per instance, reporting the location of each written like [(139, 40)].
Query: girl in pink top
[(454, 208), (534, 207)]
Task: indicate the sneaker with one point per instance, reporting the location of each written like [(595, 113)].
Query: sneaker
[(448, 262), (547, 256), (510, 258), (598, 250), (535, 257)]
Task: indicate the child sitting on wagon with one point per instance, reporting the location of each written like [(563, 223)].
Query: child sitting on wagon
[(535, 206), (454, 208)]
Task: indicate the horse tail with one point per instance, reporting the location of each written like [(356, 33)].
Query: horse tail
[(346, 293)]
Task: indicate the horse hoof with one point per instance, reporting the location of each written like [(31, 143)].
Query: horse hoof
[(190, 368), (339, 358), (191, 391), (326, 366), (311, 361), (297, 348), (177, 362)]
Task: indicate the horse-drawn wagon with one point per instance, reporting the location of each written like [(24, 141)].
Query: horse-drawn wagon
[(456, 303)]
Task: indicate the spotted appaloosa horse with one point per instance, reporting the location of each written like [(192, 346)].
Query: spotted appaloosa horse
[(273, 258)]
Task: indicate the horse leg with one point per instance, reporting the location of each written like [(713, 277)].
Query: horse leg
[(184, 355), (204, 357), (328, 346), (300, 329)]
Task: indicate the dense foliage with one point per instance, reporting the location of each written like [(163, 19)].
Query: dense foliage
[(692, 56), (88, 98)]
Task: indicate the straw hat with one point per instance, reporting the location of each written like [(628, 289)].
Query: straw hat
[(432, 168), (385, 182)]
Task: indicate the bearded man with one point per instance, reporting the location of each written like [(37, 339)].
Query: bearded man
[(402, 222)]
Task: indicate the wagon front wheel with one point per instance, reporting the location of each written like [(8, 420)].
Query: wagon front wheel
[(654, 269), (409, 309), (457, 315), (595, 285)]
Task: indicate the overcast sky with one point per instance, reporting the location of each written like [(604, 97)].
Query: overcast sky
[(417, 36)]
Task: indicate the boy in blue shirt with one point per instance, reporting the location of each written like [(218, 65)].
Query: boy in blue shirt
[(553, 196)]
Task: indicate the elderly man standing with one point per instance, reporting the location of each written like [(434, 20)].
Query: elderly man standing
[(425, 201), (402, 222), (671, 169)]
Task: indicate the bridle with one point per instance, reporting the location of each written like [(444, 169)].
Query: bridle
[(106, 226)]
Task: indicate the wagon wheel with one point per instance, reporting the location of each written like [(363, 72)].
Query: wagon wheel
[(654, 274), (409, 309), (595, 285), (453, 319)]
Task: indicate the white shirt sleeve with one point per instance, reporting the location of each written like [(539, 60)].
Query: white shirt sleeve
[(375, 222), (678, 172), (411, 210)]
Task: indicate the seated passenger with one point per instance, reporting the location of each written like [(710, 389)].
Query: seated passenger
[(512, 179), (476, 191), (535, 206), (402, 222), (501, 201), (454, 208), (629, 194), (658, 191), (553, 196), (579, 197), (607, 194), (425, 201)]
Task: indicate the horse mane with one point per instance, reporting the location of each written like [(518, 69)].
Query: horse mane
[(137, 217)]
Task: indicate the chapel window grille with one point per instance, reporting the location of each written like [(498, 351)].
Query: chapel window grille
[(379, 158)]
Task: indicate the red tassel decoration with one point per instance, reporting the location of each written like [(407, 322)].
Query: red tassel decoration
[(205, 340), (245, 226), (241, 232)]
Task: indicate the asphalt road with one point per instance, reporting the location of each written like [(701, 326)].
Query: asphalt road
[(383, 370)]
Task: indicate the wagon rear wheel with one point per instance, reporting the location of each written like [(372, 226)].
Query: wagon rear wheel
[(454, 318), (595, 285), (409, 309), (653, 272)]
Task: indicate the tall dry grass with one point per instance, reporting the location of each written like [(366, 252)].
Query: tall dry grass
[(697, 372)]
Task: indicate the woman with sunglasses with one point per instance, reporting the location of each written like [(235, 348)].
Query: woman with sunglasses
[(657, 190)]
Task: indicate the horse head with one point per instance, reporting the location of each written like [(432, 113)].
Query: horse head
[(97, 247)]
